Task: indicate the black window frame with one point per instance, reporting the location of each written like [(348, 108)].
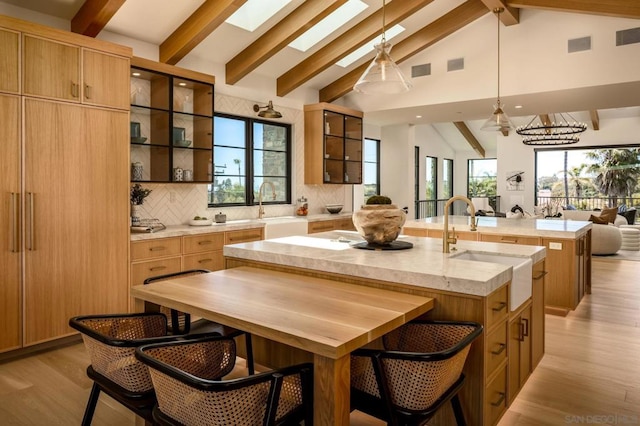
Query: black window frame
[(377, 163), (249, 172)]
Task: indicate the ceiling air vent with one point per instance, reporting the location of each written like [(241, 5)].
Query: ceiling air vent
[(455, 64), (420, 70), (579, 44), (629, 36)]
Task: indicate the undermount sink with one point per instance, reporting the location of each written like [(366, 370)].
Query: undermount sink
[(520, 280), (283, 226)]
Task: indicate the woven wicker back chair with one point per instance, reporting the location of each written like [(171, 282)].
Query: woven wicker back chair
[(181, 322), (184, 376), (111, 341), (419, 371)]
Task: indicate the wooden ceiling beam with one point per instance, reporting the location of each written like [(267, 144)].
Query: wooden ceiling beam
[(353, 38), (475, 144), (416, 42), (617, 8), (94, 15), (209, 16), (279, 36), (510, 15), (595, 119)]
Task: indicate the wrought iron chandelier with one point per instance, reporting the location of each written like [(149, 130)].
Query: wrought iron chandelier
[(562, 129)]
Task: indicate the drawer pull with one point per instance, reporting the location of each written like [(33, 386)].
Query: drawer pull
[(500, 307), (501, 349), (205, 260), (539, 276), (508, 241), (157, 268), (525, 324), (245, 238), (202, 243), (500, 400), (159, 248)]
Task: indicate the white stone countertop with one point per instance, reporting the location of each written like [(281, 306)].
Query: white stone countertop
[(232, 225), (423, 265), (553, 228)]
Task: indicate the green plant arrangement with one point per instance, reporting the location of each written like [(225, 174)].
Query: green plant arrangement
[(378, 199), (138, 194)]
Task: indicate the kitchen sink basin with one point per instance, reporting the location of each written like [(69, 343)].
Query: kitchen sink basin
[(283, 226), (521, 279)]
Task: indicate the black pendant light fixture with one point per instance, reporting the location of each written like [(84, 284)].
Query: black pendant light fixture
[(559, 129)]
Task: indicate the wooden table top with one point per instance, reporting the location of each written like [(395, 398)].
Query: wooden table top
[(325, 317)]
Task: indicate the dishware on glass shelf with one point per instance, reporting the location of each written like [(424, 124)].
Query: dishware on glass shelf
[(182, 143), (178, 174), (188, 175), (137, 171), (135, 129), (178, 134)]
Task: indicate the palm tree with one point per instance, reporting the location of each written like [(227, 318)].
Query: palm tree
[(616, 171), (237, 161)]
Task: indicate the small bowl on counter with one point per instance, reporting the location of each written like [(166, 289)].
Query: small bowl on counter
[(334, 208)]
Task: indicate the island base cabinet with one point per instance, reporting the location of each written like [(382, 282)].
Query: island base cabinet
[(495, 398), (519, 351)]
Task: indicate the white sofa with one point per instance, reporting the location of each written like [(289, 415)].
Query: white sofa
[(605, 239)]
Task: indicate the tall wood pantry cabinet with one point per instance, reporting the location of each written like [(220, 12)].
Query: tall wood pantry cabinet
[(64, 233)]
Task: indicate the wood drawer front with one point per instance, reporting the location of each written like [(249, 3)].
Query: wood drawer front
[(202, 243), (496, 348), (345, 224), (143, 270), (497, 306), (157, 248), (495, 398), (243, 236), (510, 239), (415, 232), (212, 260), (322, 226)]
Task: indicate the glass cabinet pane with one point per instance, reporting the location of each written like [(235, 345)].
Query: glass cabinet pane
[(353, 127), (333, 123)]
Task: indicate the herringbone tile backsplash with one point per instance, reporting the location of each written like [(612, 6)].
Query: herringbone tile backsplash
[(177, 203)]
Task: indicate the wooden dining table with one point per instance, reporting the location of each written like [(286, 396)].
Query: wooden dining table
[(327, 318)]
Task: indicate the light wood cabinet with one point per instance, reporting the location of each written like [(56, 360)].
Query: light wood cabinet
[(10, 241), (75, 256), (344, 224), (9, 61), (537, 313), (519, 350), (68, 72), (333, 145), (510, 239)]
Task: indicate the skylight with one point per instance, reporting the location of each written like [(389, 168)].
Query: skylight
[(254, 13), (335, 20), (368, 46)]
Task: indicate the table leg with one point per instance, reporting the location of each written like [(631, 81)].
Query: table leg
[(331, 386)]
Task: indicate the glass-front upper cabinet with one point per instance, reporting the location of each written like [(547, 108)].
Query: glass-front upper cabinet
[(171, 126)]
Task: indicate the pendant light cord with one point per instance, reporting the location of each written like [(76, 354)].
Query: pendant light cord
[(497, 11), (384, 38)]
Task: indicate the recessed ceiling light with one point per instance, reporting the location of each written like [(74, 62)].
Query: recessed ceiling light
[(518, 107), (418, 116), (136, 74), (182, 84), (329, 24), (254, 13)]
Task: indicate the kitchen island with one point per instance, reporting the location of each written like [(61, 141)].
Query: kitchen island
[(568, 244), (463, 290)]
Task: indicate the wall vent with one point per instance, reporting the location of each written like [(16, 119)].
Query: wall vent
[(420, 70), (579, 44), (455, 64), (629, 36)]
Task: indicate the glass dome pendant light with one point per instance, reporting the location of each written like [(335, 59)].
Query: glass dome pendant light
[(499, 120), (382, 76)]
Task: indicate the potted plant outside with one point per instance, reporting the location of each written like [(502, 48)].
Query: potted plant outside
[(379, 221)]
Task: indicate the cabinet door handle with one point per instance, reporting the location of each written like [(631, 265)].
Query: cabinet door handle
[(500, 400), (508, 241), (204, 260), (500, 307), (540, 275), (157, 268), (74, 89), (31, 228), (15, 214), (525, 331), (205, 242), (501, 348), (87, 91), (158, 248)]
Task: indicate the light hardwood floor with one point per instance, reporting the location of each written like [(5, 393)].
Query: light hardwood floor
[(590, 373)]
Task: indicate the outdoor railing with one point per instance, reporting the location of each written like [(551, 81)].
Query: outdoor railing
[(589, 203), (432, 208)]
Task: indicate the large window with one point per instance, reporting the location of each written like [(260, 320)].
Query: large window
[(447, 178), (246, 153), (483, 178), (371, 165), (431, 184)]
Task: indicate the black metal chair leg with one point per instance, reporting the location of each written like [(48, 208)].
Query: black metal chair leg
[(457, 411), (249, 347), (91, 405)]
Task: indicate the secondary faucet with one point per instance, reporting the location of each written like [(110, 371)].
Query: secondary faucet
[(273, 190), (446, 239)]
